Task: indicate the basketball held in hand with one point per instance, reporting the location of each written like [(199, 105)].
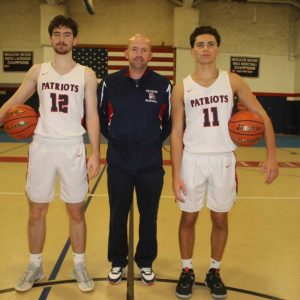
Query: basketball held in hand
[(20, 121), (246, 128)]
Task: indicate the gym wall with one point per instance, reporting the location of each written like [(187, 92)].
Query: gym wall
[(268, 31)]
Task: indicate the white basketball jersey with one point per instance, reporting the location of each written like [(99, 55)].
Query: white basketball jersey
[(207, 112), (61, 102)]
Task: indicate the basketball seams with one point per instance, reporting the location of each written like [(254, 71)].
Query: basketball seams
[(22, 131), (246, 134), (245, 128), (20, 121), (247, 120), (16, 118), (7, 127)]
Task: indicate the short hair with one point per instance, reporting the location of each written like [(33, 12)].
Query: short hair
[(204, 30), (60, 21)]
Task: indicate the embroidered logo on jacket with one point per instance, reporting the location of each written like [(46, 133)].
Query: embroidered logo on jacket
[(151, 96)]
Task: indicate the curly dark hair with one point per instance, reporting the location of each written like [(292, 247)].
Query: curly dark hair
[(61, 20), (204, 30)]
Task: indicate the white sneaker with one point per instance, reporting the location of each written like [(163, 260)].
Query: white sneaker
[(147, 276), (115, 275), (31, 275), (85, 282)]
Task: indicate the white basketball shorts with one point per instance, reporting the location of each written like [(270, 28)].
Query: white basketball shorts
[(50, 157), (210, 174)]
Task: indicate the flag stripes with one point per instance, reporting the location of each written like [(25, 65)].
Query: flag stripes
[(107, 59)]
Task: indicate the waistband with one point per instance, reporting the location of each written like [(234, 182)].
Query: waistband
[(198, 154), (71, 140)]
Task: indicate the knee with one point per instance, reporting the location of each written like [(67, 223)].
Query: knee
[(76, 216), (37, 214), (188, 221), (119, 219), (220, 223), (148, 218), (75, 212)]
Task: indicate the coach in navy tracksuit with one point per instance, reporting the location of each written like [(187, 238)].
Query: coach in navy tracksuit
[(134, 106)]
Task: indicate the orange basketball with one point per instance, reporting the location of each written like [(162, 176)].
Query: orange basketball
[(246, 128), (20, 121)]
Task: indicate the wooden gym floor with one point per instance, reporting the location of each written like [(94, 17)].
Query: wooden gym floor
[(261, 260)]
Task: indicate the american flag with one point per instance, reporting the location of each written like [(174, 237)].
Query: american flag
[(111, 58)]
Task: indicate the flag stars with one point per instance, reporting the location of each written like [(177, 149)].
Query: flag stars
[(95, 58)]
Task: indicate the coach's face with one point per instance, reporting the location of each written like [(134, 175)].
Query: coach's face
[(62, 40), (138, 52)]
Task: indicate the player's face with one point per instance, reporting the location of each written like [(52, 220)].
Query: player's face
[(205, 49), (138, 53), (62, 40)]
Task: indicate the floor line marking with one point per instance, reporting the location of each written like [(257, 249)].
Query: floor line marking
[(45, 292), (49, 284), (167, 196), (167, 162)]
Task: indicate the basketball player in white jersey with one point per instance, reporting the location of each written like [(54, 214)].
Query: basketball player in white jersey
[(202, 153), (65, 90)]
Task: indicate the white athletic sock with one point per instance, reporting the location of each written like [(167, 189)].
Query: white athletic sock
[(187, 263), (78, 258), (36, 259), (215, 264)]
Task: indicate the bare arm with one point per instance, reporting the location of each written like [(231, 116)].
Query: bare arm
[(177, 139), (92, 122), (242, 90), (24, 92)]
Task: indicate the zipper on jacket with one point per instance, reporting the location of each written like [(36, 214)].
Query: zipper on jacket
[(136, 81)]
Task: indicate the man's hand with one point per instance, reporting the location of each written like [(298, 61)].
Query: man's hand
[(269, 168), (93, 165), (179, 188)]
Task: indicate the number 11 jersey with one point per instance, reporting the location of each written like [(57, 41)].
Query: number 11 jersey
[(207, 112)]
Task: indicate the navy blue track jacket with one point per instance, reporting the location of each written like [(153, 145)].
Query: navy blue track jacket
[(135, 118)]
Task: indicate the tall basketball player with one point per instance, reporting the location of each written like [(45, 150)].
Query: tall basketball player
[(202, 153), (58, 147)]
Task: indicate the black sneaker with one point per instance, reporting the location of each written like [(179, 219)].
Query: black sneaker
[(214, 282), (185, 284)]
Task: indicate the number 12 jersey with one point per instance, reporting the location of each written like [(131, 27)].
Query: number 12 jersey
[(61, 102)]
